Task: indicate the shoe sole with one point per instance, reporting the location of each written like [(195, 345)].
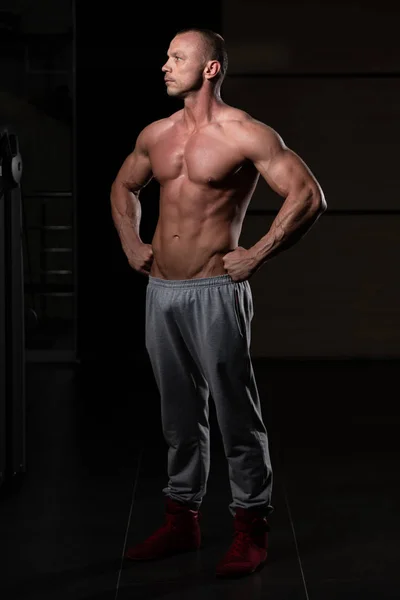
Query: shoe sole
[(243, 573)]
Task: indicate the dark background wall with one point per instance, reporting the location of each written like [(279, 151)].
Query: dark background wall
[(120, 90), (326, 77)]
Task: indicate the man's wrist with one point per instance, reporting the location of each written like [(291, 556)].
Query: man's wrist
[(259, 254)]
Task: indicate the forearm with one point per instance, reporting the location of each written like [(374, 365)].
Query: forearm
[(126, 213), (293, 221)]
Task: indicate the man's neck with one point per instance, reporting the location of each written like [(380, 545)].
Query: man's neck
[(201, 108)]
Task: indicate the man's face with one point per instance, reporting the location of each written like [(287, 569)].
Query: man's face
[(183, 70)]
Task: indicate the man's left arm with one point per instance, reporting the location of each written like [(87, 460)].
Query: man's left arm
[(288, 175)]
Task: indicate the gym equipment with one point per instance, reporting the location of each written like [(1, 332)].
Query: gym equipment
[(12, 319)]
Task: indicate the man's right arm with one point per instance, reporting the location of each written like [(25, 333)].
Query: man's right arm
[(133, 175)]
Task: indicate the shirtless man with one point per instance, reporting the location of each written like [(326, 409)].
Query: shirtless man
[(207, 159)]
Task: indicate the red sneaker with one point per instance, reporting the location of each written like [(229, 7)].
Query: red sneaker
[(248, 550), (180, 533)]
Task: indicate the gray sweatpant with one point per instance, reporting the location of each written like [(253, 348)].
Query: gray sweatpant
[(198, 340)]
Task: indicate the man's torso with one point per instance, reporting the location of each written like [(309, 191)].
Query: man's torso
[(205, 188)]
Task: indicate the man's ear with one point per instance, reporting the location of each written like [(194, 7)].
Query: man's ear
[(212, 69)]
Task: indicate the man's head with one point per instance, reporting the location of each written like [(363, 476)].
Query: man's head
[(195, 56)]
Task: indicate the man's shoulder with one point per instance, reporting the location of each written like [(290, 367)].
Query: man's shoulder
[(235, 115), (156, 127), (241, 126), (238, 119), (151, 133)]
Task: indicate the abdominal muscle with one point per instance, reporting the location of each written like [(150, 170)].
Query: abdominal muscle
[(189, 246), (189, 254)]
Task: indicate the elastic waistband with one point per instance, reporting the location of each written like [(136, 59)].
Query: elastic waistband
[(190, 283)]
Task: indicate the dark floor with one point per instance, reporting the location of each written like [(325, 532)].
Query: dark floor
[(96, 465)]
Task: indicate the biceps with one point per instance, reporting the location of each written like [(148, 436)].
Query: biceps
[(286, 173), (135, 171)]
